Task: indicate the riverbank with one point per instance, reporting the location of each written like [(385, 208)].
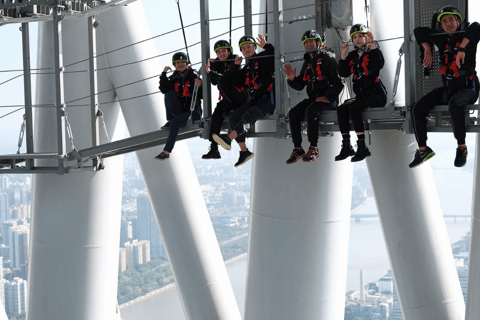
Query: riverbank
[(173, 285)]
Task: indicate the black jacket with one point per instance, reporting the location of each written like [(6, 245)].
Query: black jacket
[(257, 76), (320, 74), (219, 69), (365, 69), (183, 87), (453, 78)]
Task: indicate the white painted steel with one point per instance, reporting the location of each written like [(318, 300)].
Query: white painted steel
[(76, 218), (410, 213), (299, 219), (181, 213), (473, 289)]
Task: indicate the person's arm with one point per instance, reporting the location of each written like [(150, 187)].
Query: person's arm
[(337, 85), (471, 36), (298, 83), (165, 83), (376, 60), (345, 65), (213, 73), (426, 42)]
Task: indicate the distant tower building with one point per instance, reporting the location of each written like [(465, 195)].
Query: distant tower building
[(133, 254), (6, 225), (362, 287), (147, 228), (397, 311), (122, 262), (462, 276), (15, 296), (19, 238), (145, 250), (3, 207), (385, 283), (123, 233)]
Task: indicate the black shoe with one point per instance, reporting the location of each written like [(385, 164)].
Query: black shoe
[(311, 154), (421, 156), (162, 156), (296, 155), (362, 151), (212, 154), (346, 151), (223, 140), (461, 158), (166, 126), (244, 157)]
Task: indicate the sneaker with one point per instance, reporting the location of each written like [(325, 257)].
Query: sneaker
[(461, 158), (212, 154), (296, 155), (346, 151), (244, 157), (162, 156), (362, 151), (223, 140), (166, 126), (311, 154), (421, 157)]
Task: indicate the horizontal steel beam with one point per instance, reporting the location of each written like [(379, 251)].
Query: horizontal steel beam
[(68, 14)]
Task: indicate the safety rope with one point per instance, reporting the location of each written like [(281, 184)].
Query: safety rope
[(183, 29), (230, 35), (100, 114), (397, 76), (22, 133), (68, 127)]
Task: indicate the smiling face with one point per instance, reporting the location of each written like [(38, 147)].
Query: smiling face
[(222, 53), (358, 39), (248, 49), (450, 22), (310, 44), (180, 65)]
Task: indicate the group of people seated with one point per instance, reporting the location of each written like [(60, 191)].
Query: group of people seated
[(247, 93)]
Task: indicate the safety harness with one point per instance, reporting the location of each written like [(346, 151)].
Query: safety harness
[(363, 65), (317, 71), (452, 65)]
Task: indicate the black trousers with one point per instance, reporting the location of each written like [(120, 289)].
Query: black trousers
[(353, 110), (296, 115), (232, 99), (456, 104)]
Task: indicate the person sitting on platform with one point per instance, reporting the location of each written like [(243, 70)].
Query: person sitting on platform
[(458, 49), (178, 90), (365, 63), (231, 96), (256, 77), (319, 74)]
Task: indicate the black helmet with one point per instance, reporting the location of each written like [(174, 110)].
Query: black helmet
[(311, 34), (179, 56), (448, 10), (246, 39), (358, 28), (222, 44)]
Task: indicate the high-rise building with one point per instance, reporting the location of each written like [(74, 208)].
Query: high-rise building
[(397, 311), (147, 228), (123, 232), (133, 254), (463, 277), (145, 250), (2, 289), (15, 296), (362, 287), (6, 225), (4, 205), (19, 238), (122, 262)]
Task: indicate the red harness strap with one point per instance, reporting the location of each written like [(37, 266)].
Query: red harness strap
[(319, 70), (365, 63), (176, 86), (306, 77), (186, 90), (453, 65)]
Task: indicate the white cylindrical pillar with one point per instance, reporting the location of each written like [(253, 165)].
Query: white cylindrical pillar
[(410, 214), (473, 288), (299, 219), (175, 194), (76, 217)]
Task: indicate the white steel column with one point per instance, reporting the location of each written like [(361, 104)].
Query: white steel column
[(175, 194), (473, 289), (407, 201), (76, 218), (299, 218)]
